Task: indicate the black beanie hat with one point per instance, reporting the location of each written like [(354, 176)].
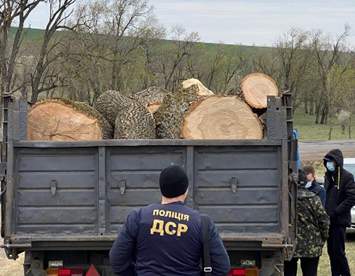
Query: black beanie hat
[(173, 182)]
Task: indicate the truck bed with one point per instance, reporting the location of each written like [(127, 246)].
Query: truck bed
[(80, 193), (67, 200)]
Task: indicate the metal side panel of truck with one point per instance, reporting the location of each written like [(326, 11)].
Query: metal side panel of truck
[(66, 201)]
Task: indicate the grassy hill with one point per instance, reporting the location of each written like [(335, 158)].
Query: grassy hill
[(30, 35), (35, 35)]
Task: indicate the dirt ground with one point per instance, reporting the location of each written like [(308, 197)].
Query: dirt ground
[(10, 267)]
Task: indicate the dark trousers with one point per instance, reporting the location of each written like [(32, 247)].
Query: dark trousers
[(336, 251), (309, 266)]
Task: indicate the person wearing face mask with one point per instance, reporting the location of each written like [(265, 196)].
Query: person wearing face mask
[(312, 185), (340, 198)]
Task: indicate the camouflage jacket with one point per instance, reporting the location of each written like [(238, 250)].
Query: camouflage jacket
[(312, 225)]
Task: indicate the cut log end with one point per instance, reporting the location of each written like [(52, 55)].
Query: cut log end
[(221, 118), (153, 107), (256, 87), (201, 89), (59, 120)]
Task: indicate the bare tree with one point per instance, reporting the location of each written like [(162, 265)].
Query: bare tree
[(294, 59), (12, 12), (328, 54), (46, 78), (235, 67), (215, 66), (127, 29), (170, 58), (267, 63), (109, 45)]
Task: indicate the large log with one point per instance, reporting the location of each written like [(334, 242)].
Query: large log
[(134, 122), (186, 115), (221, 118), (110, 103), (256, 87), (64, 120), (171, 112), (151, 97)]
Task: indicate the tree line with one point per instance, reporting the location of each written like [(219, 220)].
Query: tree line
[(85, 50)]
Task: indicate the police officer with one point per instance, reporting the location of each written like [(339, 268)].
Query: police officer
[(340, 198), (166, 238)]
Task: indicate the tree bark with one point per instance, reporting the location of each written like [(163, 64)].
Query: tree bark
[(171, 112), (110, 103), (134, 122), (151, 97)]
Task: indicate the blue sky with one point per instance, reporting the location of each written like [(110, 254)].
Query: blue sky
[(247, 21)]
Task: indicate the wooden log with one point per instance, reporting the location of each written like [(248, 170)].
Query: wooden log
[(221, 118), (202, 90), (64, 120), (186, 115), (171, 112), (151, 97), (135, 122), (110, 103), (256, 87)]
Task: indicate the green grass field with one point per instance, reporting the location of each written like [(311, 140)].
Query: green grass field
[(311, 131), (324, 265)]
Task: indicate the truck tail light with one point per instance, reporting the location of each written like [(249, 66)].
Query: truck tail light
[(64, 272), (69, 272), (237, 272), (244, 272)]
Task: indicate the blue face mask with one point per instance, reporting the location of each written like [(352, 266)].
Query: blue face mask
[(330, 166)]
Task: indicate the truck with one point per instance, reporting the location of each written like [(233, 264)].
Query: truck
[(63, 203)]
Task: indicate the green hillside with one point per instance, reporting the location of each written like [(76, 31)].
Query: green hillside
[(35, 35), (29, 34)]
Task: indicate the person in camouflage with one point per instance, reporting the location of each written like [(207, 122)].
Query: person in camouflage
[(312, 232)]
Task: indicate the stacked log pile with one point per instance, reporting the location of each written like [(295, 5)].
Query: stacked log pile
[(191, 112)]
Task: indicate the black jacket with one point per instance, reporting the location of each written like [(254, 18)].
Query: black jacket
[(165, 240), (340, 191), (318, 190)]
